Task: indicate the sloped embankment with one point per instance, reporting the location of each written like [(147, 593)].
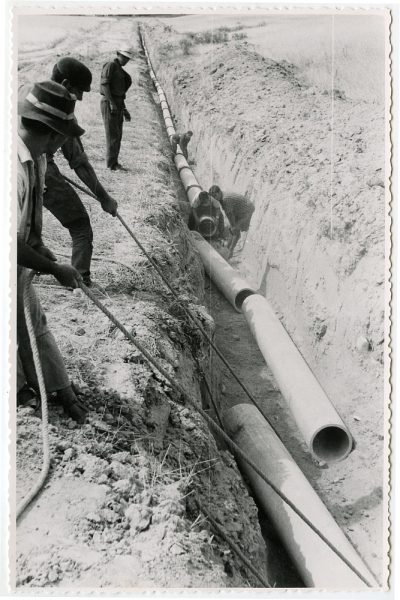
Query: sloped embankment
[(313, 163), (119, 508)]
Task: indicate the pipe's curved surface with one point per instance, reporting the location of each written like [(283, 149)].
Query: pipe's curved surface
[(225, 277), (315, 561), (207, 224), (322, 428)]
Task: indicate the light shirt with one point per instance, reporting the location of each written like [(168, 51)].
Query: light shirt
[(30, 186)]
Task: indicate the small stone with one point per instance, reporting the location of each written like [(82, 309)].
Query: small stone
[(109, 515), (52, 576), (94, 517), (68, 454), (356, 418), (80, 331), (72, 425), (122, 485)]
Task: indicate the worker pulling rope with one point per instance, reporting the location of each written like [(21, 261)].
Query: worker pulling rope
[(188, 312), (43, 395)]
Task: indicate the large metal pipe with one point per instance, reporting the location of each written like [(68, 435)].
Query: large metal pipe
[(318, 565), (227, 279), (206, 219), (322, 428)]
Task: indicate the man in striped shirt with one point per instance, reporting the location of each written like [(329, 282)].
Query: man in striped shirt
[(238, 210)]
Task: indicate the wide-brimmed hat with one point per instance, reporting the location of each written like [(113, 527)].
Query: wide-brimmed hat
[(50, 103), (128, 53), (76, 72)]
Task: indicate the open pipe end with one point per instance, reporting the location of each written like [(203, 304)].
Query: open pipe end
[(241, 297), (331, 444)]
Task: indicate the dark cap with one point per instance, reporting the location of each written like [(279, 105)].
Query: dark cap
[(50, 103), (76, 72)]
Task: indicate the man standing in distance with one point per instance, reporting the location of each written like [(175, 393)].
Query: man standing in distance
[(46, 119), (60, 197), (114, 84)]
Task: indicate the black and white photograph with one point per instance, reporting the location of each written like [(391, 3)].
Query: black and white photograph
[(200, 348)]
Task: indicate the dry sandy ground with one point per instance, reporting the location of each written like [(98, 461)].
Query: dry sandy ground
[(313, 162), (314, 44), (119, 509)]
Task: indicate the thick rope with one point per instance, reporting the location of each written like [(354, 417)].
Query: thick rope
[(189, 313), (43, 394), (101, 259), (235, 449), (222, 533)]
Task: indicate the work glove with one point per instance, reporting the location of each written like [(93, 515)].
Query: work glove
[(109, 205), (67, 275), (127, 115), (46, 252)]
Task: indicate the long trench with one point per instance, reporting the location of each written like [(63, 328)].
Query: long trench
[(235, 341)]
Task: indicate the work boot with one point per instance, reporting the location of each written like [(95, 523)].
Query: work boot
[(27, 397), (118, 167), (72, 406)]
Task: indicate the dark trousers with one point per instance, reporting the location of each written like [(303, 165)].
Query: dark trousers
[(54, 371), (64, 203), (113, 123)]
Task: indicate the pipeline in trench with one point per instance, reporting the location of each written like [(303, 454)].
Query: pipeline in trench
[(226, 392), (317, 441)]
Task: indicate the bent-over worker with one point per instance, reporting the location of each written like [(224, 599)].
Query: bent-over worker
[(238, 210), (46, 120), (114, 84)]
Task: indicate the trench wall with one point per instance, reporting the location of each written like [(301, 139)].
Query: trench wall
[(313, 164)]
